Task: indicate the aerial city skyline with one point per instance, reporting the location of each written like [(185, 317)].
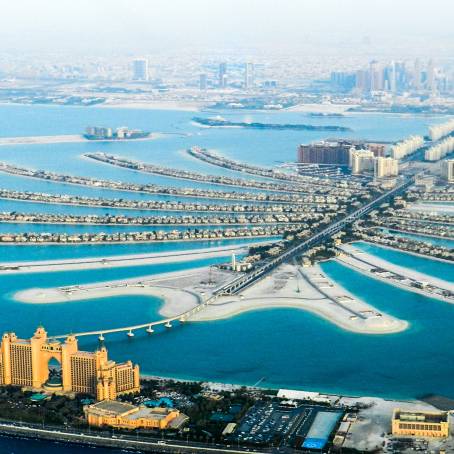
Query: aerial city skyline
[(226, 227)]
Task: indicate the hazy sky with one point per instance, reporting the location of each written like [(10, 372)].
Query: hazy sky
[(147, 25)]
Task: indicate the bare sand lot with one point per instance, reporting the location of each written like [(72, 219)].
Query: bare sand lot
[(290, 286)]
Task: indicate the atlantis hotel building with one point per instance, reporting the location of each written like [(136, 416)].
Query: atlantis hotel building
[(25, 363)]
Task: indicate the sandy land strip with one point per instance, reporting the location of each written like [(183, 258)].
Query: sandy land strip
[(183, 291), (321, 108), (174, 301), (403, 271), (317, 295), (180, 291), (189, 106), (423, 256), (120, 260), (69, 138), (432, 207)]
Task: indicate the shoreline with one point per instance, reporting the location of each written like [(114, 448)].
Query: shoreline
[(338, 306), (67, 138), (174, 195), (185, 210), (427, 257), (78, 243), (119, 260)]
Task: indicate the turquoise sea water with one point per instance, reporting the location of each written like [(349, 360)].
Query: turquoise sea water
[(55, 252), (434, 268), (285, 348), (445, 242)]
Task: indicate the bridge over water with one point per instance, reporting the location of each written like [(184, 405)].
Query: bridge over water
[(244, 281)]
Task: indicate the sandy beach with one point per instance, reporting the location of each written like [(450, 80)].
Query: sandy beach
[(120, 260), (68, 138), (187, 106), (290, 286), (317, 294), (434, 207), (358, 257)]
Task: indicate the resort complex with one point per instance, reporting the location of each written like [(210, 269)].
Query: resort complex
[(261, 261), (25, 363)]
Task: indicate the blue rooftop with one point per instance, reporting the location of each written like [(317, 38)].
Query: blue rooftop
[(320, 431)]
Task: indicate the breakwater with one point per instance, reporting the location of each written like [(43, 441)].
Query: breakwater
[(220, 122)]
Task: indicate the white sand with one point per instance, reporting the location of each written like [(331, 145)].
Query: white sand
[(183, 291), (403, 271), (33, 140), (433, 207), (280, 291), (188, 106), (119, 260)]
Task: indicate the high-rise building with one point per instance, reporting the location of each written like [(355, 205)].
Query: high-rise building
[(393, 78), (324, 153), (248, 75), (361, 161), (376, 76), (431, 77), (203, 81), (140, 69), (386, 167), (417, 75), (334, 152), (362, 81), (223, 75), (25, 362), (447, 170)]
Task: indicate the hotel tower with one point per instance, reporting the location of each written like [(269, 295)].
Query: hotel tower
[(25, 363)]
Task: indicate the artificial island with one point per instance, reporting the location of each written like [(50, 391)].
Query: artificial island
[(337, 198)]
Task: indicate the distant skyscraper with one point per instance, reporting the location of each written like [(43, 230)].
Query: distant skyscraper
[(376, 76), (223, 75), (362, 81), (140, 69), (417, 76), (248, 75), (431, 77), (393, 80), (203, 81)]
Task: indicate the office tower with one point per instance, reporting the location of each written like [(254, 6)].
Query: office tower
[(447, 170), (431, 77), (343, 81), (362, 81), (248, 75), (417, 75), (222, 75), (386, 167), (140, 69), (376, 76), (203, 81), (393, 78), (25, 362)]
